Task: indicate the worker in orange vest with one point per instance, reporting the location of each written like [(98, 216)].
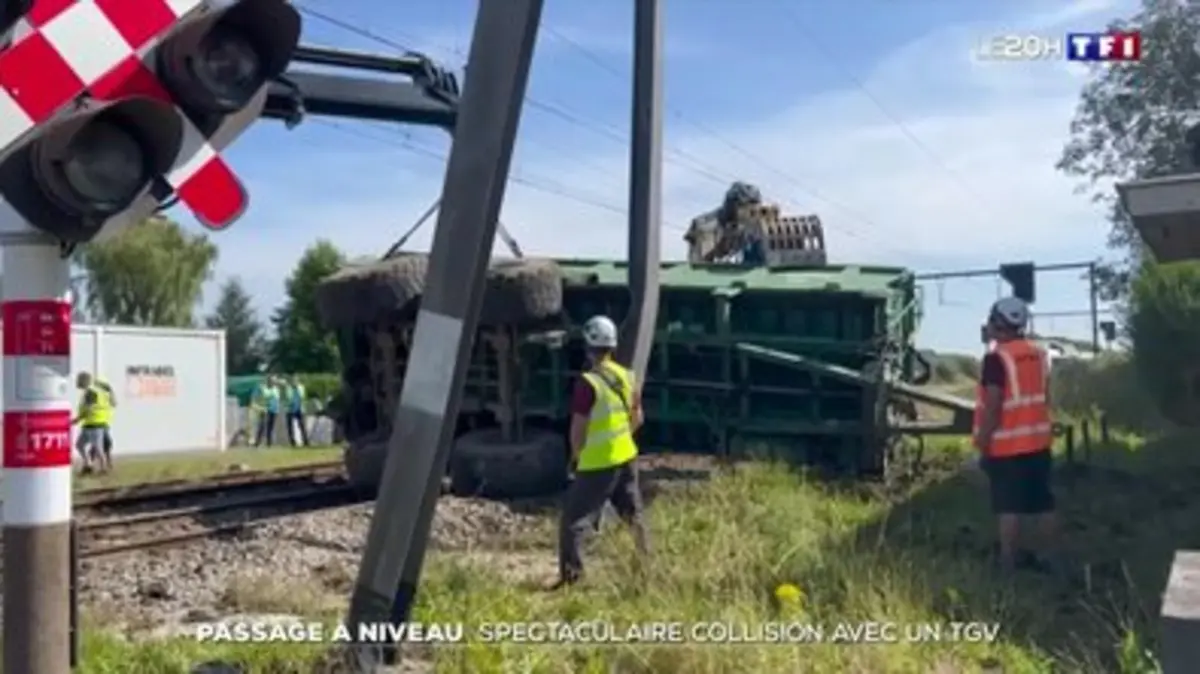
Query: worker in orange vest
[(1012, 430)]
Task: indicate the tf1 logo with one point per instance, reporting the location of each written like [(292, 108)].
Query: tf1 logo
[(1104, 46)]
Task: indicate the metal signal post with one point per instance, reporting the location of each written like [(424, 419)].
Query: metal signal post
[(476, 175), (484, 134), (36, 318)]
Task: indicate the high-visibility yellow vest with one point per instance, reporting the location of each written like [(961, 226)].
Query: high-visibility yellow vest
[(610, 428), (99, 413)]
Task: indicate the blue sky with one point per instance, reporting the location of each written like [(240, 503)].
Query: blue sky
[(871, 114)]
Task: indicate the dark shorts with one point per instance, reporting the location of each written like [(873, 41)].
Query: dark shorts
[(1020, 485)]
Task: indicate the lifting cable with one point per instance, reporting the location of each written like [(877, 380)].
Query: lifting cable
[(501, 231)]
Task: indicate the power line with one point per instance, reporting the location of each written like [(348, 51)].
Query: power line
[(742, 151), (679, 158), (831, 58), (538, 183), (548, 108)]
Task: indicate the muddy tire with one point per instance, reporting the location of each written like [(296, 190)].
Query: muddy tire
[(522, 291), (364, 464), (484, 464), (377, 293), (518, 292)]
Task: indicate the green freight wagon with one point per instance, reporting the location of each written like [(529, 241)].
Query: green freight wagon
[(704, 394), (743, 358), (760, 344)]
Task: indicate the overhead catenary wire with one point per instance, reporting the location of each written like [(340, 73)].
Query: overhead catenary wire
[(599, 62), (813, 39), (535, 183), (676, 157), (541, 185), (552, 109)]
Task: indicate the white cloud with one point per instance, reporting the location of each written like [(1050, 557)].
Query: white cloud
[(997, 128)]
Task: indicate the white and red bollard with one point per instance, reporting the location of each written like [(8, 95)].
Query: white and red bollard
[(36, 313)]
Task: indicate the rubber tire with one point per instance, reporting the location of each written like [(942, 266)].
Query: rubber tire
[(522, 291), (363, 461), (372, 294), (518, 292), (483, 464)]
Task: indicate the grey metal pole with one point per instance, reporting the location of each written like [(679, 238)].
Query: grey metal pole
[(645, 188), (1093, 291), (476, 175)]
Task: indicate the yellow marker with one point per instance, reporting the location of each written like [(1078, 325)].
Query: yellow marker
[(787, 593)]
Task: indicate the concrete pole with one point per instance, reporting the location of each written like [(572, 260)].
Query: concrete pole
[(645, 188), (36, 327), (424, 421), (1094, 307)]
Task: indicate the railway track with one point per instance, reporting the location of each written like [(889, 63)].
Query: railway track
[(127, 519), (148, 494)]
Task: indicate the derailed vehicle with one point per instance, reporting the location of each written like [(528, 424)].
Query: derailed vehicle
[(759, 343)]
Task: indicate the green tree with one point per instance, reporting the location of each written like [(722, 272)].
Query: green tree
[(235, 315), (151, 274), (1165, 327), (301, 344), (1131, 121)]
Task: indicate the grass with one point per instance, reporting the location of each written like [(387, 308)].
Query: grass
[(193, 465), (856, 553)]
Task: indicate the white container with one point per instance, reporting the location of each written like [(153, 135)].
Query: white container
[(169, 385)]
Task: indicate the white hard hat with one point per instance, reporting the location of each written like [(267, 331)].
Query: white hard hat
[(600, 332), (1011, 311)]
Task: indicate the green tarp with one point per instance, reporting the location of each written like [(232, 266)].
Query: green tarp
[(243, 387)]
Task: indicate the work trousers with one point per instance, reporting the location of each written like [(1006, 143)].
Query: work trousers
[(94, 440), (583, 507), (297, 433), (266, 429)]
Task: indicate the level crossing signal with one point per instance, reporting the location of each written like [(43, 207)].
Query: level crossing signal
[(1021, 276), (107, 109)]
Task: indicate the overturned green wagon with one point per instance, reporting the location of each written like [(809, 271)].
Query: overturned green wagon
[(792, 358)]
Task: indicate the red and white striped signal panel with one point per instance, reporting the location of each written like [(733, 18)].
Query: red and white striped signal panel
[(65, 49)]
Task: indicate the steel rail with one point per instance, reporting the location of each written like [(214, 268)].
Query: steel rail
[(253, 511), (108, 497)]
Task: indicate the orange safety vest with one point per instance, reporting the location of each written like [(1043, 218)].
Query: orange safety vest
[(1025, 425)]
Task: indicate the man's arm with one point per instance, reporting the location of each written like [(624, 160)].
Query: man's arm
[(89, 401), (1048, 367), (112, 395), (636, 416), (992, 379), (582, 399)]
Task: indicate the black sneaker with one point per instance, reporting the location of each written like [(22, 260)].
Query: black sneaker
[(561, 584), (1029, 561)]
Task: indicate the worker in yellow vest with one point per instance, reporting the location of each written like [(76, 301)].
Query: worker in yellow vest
[(606, 409), (95, 419), (1013, 432)]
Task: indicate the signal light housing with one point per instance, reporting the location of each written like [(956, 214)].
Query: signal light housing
[(12, 11), (1021, 276), (215, 64), (90, 165)]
